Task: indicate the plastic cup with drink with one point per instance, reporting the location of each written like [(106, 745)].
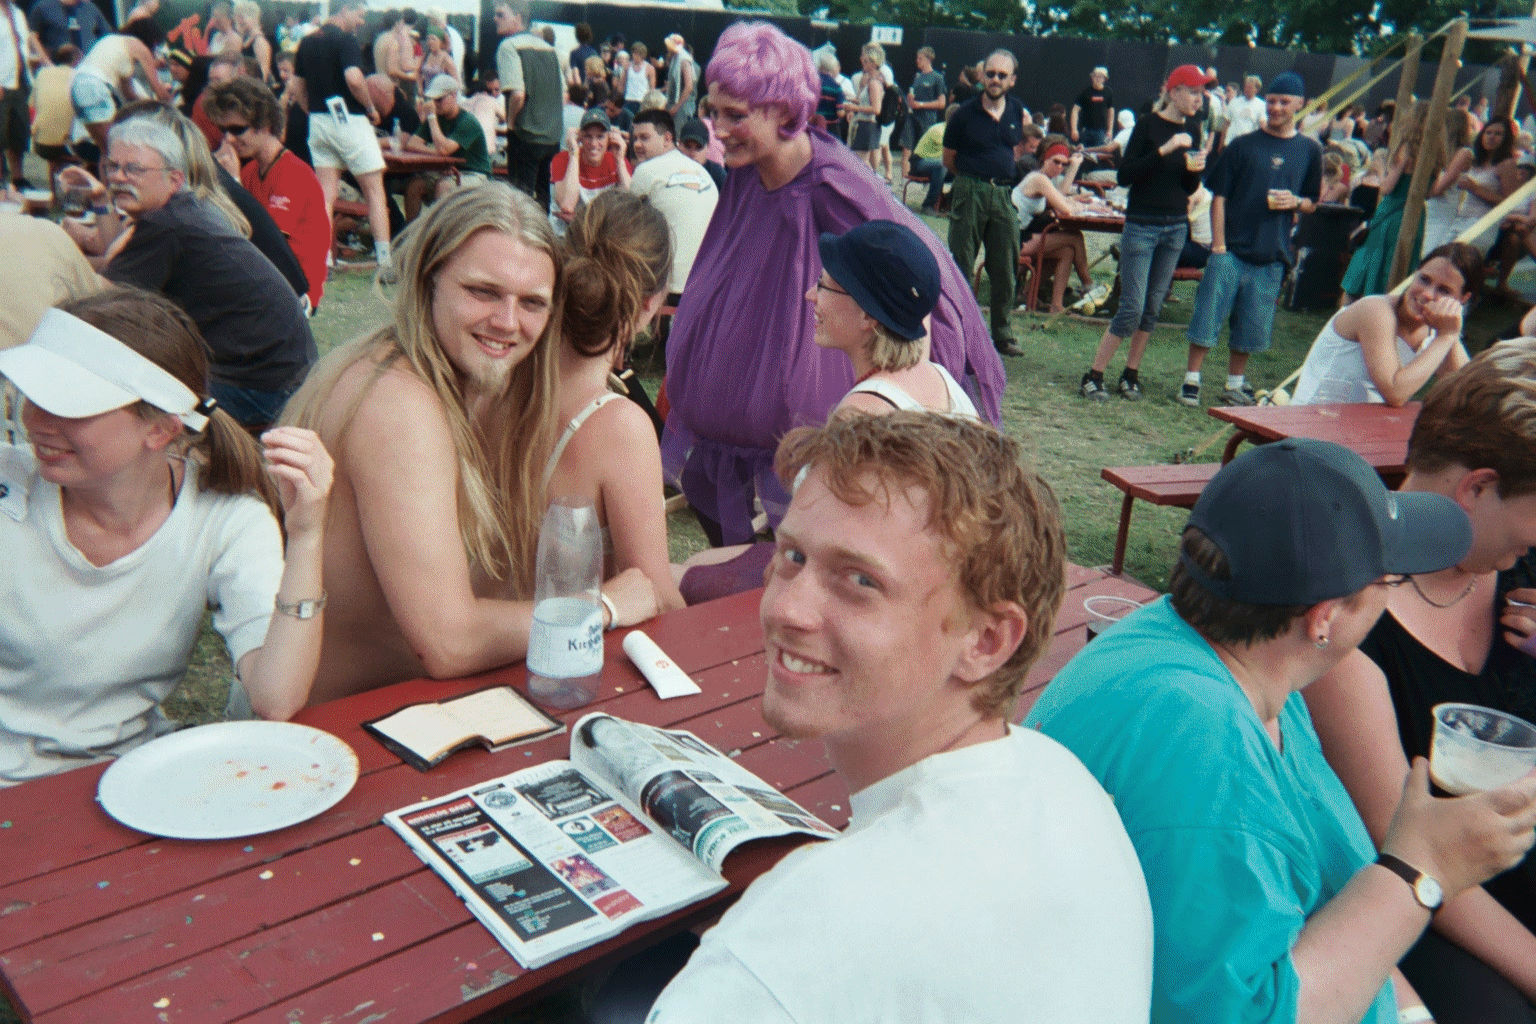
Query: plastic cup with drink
[(1477, 748), (1104, 611)]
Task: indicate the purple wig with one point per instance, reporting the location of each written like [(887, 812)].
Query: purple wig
[(756, 62)]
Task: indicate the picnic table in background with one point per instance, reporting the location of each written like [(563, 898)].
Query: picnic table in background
[(335, 920), (409, 162), (1377, 432)]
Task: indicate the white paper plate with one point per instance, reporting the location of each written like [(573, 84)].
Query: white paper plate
[(227, 780)]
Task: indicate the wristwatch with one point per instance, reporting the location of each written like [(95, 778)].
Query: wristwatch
[(1425, 889)]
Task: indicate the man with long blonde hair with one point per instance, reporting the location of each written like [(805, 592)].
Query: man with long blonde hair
[(441, 422)]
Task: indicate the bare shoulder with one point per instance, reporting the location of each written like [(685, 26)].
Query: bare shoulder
[(1366, 313), (381, 407), (617, 432)]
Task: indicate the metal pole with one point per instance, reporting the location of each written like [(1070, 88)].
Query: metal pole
[(1432, 142)]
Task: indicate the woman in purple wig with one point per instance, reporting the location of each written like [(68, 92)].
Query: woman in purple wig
[(743, 366)]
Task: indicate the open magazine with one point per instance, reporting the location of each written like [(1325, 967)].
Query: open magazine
[(562, 855)]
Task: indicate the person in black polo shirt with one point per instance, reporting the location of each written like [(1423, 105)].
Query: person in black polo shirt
[(978, 150)]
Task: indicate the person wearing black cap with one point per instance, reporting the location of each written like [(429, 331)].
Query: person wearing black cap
[(878, 284), (693, 139), (1269, 901), (1258, 184)]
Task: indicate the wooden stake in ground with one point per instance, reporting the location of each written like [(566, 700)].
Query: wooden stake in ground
[(1432, 142), (1402, 117)]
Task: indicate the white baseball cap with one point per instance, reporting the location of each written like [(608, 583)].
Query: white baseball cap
[(72, 369)]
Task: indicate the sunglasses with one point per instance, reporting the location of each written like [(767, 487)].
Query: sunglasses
[(998, 74), (234, 129)]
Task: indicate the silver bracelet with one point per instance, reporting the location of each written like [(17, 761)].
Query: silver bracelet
[(306, 609), (613, 613)]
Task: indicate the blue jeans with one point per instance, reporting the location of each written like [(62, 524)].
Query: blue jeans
[(1089, 137), (1240, 292), (251, 409), (1149, 254), (934, 171)]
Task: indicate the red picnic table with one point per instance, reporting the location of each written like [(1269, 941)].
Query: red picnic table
[(335, 920), (409, 162), (1378, 433)]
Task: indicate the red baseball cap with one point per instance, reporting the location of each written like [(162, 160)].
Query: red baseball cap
[(1190, 75)]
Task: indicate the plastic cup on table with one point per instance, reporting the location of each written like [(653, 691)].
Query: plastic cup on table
[(1104, 611), (1476, 748)]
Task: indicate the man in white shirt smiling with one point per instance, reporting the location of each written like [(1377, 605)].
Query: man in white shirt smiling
[(984, 876)]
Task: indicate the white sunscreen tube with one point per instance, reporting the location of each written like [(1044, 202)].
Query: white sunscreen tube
[(665, 678)]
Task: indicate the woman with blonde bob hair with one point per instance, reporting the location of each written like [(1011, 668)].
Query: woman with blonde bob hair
[(1465, 634), (442, 422)]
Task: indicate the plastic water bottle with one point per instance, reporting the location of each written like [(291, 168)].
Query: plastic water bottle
[(565, 647), (395, 141)]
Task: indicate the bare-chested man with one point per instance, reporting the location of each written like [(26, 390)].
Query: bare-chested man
[(440, 424)]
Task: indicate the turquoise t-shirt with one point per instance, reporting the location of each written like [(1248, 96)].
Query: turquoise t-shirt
[(1240, 843)]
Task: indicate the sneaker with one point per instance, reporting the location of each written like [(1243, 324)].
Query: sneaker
[(1189, 395), (1093, 390), (1130, 390), (1240, 396), (1007, 347)]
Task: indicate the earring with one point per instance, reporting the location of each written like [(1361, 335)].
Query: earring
[(1321, 643)]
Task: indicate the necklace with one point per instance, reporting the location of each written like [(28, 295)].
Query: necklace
[(1436, 604)]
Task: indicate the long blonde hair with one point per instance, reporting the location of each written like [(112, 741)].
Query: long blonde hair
[(500, 479)]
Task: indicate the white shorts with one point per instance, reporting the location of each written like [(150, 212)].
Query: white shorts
[(885, 134), (353, 147)]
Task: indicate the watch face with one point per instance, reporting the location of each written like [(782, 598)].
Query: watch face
[(1428, 892)]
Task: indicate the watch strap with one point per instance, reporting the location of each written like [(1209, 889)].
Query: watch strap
[(1408, 873), (306, 609)]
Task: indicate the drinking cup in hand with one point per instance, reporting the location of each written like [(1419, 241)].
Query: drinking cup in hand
[(1476, 748)]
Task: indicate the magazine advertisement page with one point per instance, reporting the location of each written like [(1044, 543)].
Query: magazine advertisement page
[(696, 794), (549, 861)]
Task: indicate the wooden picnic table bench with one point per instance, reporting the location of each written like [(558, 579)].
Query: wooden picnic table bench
[(335, 920), (1178, 485)]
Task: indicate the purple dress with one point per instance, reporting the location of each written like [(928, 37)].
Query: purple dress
[(743, 366)]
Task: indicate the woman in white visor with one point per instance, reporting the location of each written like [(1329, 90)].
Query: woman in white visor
[(134, 506)]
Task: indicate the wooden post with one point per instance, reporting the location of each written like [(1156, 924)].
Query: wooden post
[(1433, 140), (1509, 100), (1402, 118)]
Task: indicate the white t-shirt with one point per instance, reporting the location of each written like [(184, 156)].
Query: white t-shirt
[(87, 653), (683, 191), (1245, 115), (993, 883)]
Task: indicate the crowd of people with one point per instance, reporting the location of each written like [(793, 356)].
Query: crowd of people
[(1222, 802)]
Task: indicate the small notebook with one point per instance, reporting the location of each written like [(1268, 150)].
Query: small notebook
[(496, 718)]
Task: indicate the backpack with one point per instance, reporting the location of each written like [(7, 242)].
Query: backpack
[(890, 104)]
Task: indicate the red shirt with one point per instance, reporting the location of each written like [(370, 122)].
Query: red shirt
[(291, 193), (211, 131), (592, 180)]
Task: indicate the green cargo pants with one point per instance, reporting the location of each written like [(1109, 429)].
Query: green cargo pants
[(982, 213)]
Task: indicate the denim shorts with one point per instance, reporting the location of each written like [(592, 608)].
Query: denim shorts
[(1149, 254), (93, 99), (1241, 292)]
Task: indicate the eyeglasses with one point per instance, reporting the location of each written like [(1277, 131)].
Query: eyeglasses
[(999, 75), (823, 286), (110, 167), (234, 129)]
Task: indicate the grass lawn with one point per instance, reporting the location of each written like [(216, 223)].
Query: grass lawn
[(1068, 439)]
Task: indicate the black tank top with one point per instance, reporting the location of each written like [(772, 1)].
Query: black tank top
[(1418, 679)]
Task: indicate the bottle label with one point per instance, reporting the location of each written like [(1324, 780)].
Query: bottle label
[(567, 638)]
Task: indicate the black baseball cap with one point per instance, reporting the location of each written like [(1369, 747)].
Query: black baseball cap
[(1302, 521), (888, 270), (693, 130)]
